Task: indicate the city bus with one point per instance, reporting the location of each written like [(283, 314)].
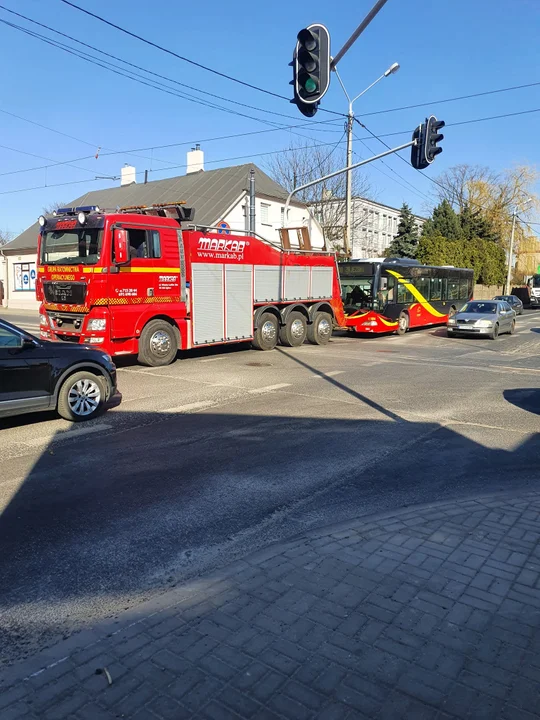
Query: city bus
[(396, 294)]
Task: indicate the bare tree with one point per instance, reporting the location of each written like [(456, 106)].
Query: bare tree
[(302, 164), (51, 207), (5, 237)]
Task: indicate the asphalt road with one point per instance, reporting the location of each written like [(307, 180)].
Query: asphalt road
[(228, 450)]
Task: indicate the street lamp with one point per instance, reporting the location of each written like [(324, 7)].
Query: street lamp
[(511, 249), (350, 119)]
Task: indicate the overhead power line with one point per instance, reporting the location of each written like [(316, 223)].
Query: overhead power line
[(453, 99), (181, 57), (139, 67)]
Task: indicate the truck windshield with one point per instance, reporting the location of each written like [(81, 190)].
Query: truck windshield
[(536, 281), (71, 247)]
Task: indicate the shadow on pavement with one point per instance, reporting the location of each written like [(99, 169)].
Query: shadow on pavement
[(524, 398)]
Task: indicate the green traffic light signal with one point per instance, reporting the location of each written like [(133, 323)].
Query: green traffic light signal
[(311, 63), (310, 85)]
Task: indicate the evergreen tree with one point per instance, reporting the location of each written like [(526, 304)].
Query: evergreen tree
[(475, 225), (444, 221), (405, 243)]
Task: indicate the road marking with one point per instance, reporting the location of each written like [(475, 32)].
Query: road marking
[(332, 373), (212, 359), (67, 434), (269, 388), (190, 406)]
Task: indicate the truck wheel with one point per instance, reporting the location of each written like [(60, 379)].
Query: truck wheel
[(266, 335), (158, 344), (294, 332), (403, 323), (320, 330), (81, 396)]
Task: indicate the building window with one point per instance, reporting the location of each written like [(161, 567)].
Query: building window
[(265, 214), (283, 216), (24, 277)]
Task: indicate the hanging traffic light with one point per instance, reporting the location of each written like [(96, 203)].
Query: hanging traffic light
[(311, 68), (427, 136)]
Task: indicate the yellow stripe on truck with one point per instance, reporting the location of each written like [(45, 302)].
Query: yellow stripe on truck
[(416, 293)]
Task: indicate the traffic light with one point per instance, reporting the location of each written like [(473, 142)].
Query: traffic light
[(311, 68), (427, 135)]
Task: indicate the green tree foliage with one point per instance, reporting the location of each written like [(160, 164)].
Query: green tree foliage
[(405, 244), (464, 240), (443, 221)]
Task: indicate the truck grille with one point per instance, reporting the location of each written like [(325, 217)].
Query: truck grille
[(71, 293)]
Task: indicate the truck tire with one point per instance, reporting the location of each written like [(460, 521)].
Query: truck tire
[(294, 332), (267, 333), (82, 396), (320, 330), (158, 344), (403, 323)]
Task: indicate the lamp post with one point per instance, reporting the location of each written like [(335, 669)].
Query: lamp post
[(350, 119)]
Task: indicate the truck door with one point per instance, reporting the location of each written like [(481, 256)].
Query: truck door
[(135, 285)]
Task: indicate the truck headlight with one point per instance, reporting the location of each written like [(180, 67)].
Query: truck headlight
[(97, 324), (43, 320)]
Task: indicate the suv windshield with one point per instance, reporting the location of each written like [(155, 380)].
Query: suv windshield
[(480, 307), (71, 247)]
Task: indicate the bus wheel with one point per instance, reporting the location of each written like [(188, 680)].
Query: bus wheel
[(158, 344), (320, 330), (403, 323), (294, 332), (267, 332)]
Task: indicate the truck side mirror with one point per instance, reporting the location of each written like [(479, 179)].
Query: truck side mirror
[(121, 246)]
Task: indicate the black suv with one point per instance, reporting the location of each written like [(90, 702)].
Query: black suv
[(76, 380)]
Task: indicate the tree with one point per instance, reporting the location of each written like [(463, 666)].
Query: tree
[(444, 221), (5, 237), (475, 225), (302, 164), (51, 207), (405, 243)]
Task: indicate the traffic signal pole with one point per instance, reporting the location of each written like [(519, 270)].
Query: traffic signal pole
[(340, 172), (359, 30)]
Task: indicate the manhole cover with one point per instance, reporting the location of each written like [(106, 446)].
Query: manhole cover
[(258, 364)]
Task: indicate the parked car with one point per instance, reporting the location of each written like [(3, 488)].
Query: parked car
[(77, 381), (483, 317), (514, 302)]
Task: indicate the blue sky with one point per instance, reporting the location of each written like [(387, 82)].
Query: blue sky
[(444, 49)]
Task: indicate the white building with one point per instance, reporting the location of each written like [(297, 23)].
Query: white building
[(373, 227), (220, 198)]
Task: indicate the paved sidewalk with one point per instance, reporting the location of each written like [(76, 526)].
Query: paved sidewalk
[(431, 612)]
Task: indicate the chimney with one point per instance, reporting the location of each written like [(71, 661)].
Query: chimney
[(195, 160), (128, 175)]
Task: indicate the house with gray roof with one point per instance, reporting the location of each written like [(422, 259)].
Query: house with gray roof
[(220, 197)]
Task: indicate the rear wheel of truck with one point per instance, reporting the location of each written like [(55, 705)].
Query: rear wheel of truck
[(158, 344), (267, 332), (294, 332), (320, 330)]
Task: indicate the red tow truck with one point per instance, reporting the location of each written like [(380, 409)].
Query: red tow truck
[(145, 281)]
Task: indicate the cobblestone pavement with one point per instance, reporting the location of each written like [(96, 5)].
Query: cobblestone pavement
[(430, 612)]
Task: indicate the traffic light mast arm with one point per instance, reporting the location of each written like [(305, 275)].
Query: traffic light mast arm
[(339, 172), (359, 30)]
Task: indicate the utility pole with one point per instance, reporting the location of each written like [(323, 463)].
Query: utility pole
[(348, 190), (350, 120), (508, 289)]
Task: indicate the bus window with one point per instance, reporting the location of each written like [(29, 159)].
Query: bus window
[(436, 289), (422, 285), (403, 295), (464, 289), (453, 289), (387, 292), (357, 292)]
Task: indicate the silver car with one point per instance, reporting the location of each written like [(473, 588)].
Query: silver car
[(483, 317)]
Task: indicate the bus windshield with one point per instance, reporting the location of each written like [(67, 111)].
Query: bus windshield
[(357, 292), (71, 247)]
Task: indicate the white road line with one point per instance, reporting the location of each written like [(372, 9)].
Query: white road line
[(190, 406), (332, 373), (66, 435), (269, 388), (212, 359)]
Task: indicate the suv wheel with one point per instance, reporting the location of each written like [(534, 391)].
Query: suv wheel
[(82, 396)]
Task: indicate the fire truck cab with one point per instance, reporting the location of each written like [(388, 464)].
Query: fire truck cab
[(145, 281)]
